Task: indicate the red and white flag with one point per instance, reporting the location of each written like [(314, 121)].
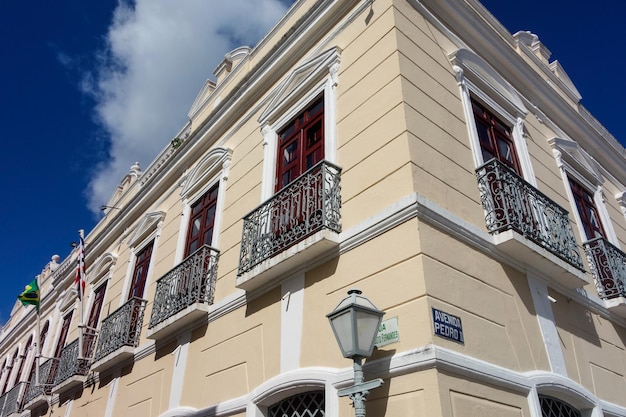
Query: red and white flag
[(80, 266)]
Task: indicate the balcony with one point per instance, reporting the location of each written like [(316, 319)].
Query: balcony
[(119, 335), (73, 369), (608, 267), (184, 294), (295, 226), (14, 399), (36, 393), (528, 225)]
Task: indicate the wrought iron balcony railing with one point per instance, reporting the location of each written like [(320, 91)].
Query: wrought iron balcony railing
[(309, 204), (3, 399), (70, 364), (47, 374), (14, 399), (121, 328), (511, 203), (192, 281), (608, 266)]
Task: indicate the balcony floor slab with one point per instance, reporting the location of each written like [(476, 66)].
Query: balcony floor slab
[(114, 358), (70, 383), (540, 259), (178, 321), (617, 305), (293, 258)]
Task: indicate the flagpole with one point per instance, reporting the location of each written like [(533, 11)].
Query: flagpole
[(38, 341), (81, 280)]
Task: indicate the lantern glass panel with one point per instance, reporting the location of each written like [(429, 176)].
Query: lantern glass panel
[(367, 328), (342, 326)]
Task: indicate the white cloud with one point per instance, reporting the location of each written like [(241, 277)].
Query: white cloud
[(159, 54)]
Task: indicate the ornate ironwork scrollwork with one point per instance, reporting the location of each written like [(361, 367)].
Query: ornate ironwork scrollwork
[(70, 364), (192, 281), (121, 328), (14, 399), (608, 267), (511, 203), (309, 204), (47, 374)]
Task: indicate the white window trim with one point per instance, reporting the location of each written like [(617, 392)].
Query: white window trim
[(213, 168), (621, 200), (99, 275), (478, 79), (574, 163), (305, 83), (150, 221)]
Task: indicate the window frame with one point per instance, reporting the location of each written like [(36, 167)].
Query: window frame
[(211, 171), (317, 76), (146, 232), (23, 357), (208, 203), (147, 263), (575, 164), (9, 367), (480, 82), (303, 124)]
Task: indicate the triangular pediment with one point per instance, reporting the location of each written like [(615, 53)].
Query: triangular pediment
[(146, 226), (570, 153), (299, 81), (559, 71), (486, 78), (206, 90)]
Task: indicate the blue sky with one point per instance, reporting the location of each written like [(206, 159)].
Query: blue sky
[(78, 78)]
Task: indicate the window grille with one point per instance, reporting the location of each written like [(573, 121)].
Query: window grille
[(310, 404), (551, 407)]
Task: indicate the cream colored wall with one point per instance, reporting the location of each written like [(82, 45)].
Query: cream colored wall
[(388, 271), (372, 146), (234, 354), (594, 349), (466, 398), (144, 386), (492, 300), (417, 394)]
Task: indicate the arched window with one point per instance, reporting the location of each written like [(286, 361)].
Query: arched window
[(552, 407), (308, 404)]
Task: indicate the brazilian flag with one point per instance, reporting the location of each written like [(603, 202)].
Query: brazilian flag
[(30, 295)]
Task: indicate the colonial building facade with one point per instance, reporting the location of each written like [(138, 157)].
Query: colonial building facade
[(415, 150)]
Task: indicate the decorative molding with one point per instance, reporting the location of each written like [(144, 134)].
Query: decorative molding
[(425, 358), (149, 223), (485, 77), (621, 200), (102, 267), (300, 81), (571, 156), (207, 168)]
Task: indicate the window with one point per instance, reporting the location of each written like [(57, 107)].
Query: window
[(552, 407), (495, 137), (42, 339), (589, 217), (300, 144), (89, 337), (9, 368), (310, 404), (63, 335), (22, 360), (299, 122), (202, 221), (140, 272)]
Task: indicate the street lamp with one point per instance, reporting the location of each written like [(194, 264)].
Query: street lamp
[(355, 322)]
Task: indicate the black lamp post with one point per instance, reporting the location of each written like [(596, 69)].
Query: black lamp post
[(355, 322)]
